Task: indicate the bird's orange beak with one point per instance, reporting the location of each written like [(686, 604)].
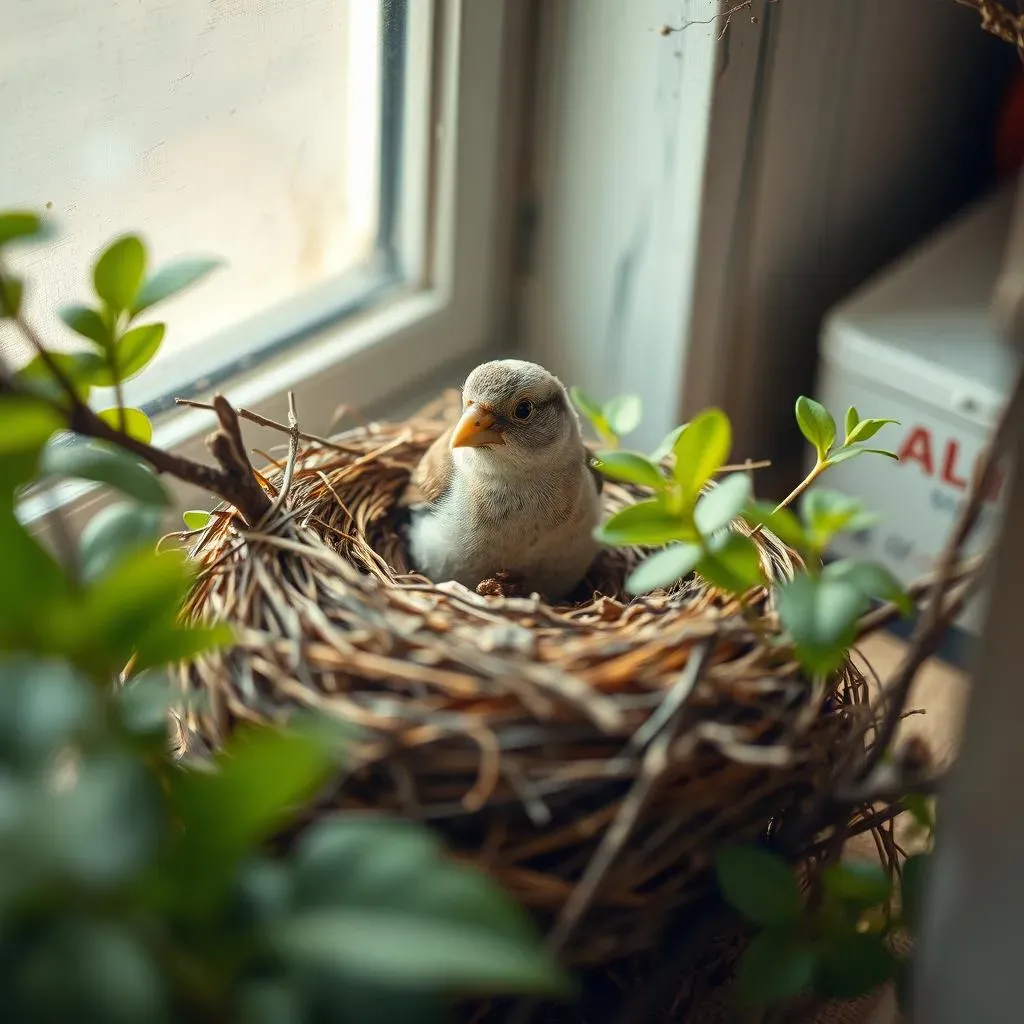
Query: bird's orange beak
[(478, 427)]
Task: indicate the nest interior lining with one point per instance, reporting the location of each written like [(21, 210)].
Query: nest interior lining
[(527, 733)]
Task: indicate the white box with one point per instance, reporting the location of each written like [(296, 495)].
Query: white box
[(917, 344)]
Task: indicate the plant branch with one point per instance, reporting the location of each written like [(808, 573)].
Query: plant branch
[(234, 481), (819, 467), (884, 614)]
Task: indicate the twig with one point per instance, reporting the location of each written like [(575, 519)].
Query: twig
[(264, 421), (655, 761), (890, 790), (654, 764), (880, 617), (938, 617), (235, 481), (725, 16), (998, 21), (293, 454)]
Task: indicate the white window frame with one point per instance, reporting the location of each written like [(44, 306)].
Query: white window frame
[(446, 312)]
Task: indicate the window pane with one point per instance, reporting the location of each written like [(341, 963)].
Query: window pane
[(244, 129)]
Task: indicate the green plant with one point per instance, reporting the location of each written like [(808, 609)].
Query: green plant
[(690, 525), (135, 888), (839, 943)]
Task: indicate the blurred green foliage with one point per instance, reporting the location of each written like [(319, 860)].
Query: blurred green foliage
[(137, 889)]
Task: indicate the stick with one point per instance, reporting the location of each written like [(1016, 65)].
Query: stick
[(293, 453), (234, 481), (264, 421)]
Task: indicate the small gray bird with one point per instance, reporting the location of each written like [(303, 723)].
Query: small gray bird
[(510, 488)]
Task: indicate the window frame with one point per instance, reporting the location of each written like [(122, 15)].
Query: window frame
[(439, 311)]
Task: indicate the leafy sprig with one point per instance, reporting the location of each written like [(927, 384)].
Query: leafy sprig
[(690, 520), (138, 888)]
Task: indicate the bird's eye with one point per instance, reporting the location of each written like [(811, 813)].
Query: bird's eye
[(523, 410)]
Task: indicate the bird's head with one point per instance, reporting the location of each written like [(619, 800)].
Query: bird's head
[(514, 415)]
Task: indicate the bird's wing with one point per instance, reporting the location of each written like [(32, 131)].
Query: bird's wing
[(594, 471), (433, 476)]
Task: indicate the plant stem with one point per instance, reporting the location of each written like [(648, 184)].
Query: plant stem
[(234, 481), (819, 467)]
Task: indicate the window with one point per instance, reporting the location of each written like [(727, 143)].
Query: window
[(341, 156)]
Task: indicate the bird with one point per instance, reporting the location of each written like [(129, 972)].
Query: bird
[(508, 489)]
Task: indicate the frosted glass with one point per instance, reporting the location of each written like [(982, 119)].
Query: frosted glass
[(245, 129)]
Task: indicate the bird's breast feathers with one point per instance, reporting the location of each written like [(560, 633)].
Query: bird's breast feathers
[(482, 525)]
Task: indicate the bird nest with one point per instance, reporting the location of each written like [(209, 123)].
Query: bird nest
[(591, 755)]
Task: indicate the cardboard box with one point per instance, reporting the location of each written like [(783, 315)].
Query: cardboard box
[(917, 343)]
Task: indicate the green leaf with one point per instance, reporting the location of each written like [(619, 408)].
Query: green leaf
[(175, 642), (396, 947), (701, 449), (866, 429), (145, 700), (816, 424), (914, 890), (43, 706), (592, 411), (116, 531), (853, 964), (105, 828), (872, 580), (26, 424), (139, 596), (264, 775), (272, 1001), (88, 323), (171, 279), (782, 522), (388, 865), (920, 809), (91, 969), (18, 224), (732, 564), (646, 523), (363, 860), (32, 583), (848, 453), (828, 513), (135, 349), (136, 423), (852, 419), (820, 615), (586, 405), (11, 292), (630, 467), (117, 275), (776, 965), (760, 885), (664, 449), (81, 368), (721, 505), (195, 519), (664, 568), (861, 882), (623, 413), (105, 464)]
